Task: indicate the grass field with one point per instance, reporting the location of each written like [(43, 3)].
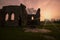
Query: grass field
[(16, 33)]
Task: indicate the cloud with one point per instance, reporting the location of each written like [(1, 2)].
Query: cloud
[(53, 6)]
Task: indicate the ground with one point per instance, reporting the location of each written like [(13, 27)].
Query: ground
[(17, 33)]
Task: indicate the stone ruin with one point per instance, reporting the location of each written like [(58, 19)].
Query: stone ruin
[(14, 15)]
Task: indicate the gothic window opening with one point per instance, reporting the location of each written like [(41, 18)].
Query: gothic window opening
[(12, 16), (32, 18), (6, 17)]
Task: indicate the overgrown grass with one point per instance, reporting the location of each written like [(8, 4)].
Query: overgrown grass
[(16, 33)]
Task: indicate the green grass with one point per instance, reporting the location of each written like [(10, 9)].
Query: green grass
[(16, 33)]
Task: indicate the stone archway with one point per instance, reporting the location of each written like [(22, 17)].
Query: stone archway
[(6, 17), (13, 16)]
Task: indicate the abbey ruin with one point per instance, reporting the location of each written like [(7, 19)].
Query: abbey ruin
[(14, 15)]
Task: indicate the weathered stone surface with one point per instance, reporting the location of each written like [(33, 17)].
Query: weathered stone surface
[(21, 16)]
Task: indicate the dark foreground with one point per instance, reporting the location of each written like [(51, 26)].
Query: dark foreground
[(17, 33)]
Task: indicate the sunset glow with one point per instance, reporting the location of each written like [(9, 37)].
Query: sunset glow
[(47, 14), (49, 8)]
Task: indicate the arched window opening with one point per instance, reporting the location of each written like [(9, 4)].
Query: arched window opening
[(12, 16), (32, 18), (6, 17)]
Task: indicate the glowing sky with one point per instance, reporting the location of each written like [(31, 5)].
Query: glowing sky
[(49, 8)]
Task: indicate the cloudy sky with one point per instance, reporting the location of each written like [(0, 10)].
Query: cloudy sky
[(49, 8)]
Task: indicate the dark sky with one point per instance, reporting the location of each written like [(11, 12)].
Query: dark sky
[(49, 8)]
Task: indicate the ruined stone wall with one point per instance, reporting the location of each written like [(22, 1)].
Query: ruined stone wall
[(34, 19), (21, 16), (19, 12)]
